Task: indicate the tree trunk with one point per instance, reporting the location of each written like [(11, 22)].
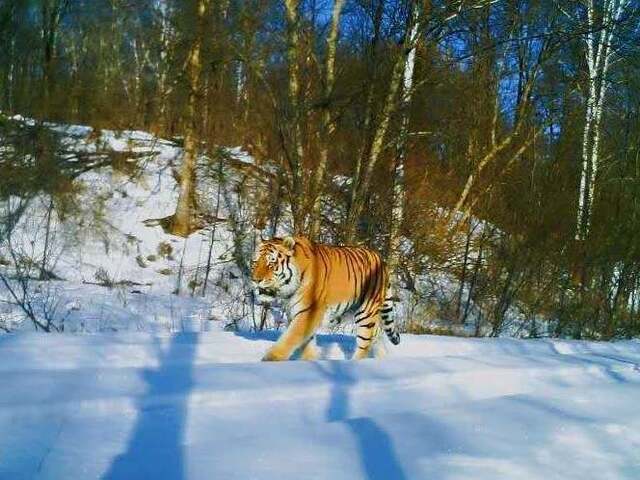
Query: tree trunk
[(598, 56), (399, 194), (12, 59), (182, 223), (465, 263), (44, 275), (328, 124), (51, 14), (361, 183), (295, 154), (212, 238), (369, 110), (523, 147), (162, 67)]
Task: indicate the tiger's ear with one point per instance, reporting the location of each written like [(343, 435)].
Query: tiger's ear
[(289, 243)]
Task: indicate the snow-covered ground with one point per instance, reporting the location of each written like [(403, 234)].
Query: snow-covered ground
[(199, 405)]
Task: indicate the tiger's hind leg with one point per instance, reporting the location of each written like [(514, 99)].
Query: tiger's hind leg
[(378, 348), (388, 321), (367, 328)]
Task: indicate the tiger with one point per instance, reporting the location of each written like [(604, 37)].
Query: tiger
[(317, 284)]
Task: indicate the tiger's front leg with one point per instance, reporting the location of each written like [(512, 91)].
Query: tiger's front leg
[(301, 328), (310, 350)]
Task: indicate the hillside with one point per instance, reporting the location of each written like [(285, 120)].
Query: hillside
[(113, 265)]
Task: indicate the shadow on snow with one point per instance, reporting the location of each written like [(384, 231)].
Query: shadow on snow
[(378, 459), (156, 444)]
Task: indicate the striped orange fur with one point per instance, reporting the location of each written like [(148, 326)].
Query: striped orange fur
[(319, 283)]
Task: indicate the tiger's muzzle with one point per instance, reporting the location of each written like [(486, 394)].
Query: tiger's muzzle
[(264, 295), (269, 292)]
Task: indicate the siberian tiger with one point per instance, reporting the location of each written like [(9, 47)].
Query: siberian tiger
[(319, 283)]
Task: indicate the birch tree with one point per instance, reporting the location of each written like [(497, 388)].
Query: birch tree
[(399, 194), (602, 26)]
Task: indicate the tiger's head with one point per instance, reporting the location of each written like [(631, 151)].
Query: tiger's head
[(274, 271)]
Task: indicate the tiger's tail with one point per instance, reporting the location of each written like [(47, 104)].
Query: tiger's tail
[(388, 321)]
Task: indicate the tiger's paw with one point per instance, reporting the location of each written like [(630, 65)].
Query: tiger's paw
[(361, 354), (310, 353), (273, 356)]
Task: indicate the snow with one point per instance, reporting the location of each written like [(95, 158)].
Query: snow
[(239, 154), (199, 405)]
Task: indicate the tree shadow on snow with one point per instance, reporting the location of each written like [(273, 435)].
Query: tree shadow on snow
[(156, 444), (378, 459), (267, 335), (346, 344)]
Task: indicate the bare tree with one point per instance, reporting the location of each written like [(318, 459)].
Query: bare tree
[(52, 12), (362, 178), (500, 145), (328, 125), (602, 26), (27, 279), (294, 151), (183, 219)]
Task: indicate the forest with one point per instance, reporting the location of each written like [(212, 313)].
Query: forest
[(490, 149)]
